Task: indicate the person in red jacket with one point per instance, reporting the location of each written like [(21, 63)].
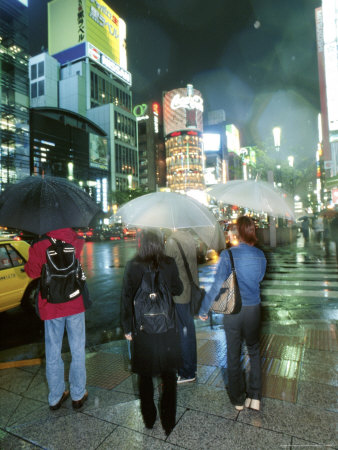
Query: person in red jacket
[(57, 317)]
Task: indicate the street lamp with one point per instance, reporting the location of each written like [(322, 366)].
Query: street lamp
[(276, 131), (130, 185), (276, 137)]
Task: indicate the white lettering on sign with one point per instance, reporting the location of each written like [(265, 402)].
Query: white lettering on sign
[(108, 63), (116, 69), (194, 102), (100, 20), (138, 118)]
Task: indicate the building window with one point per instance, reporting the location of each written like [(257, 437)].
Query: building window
[(41, 90), (41, 69), (34, 90), (33, 72)]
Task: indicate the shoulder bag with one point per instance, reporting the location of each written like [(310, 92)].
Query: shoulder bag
[(197, 293), (229, 299)]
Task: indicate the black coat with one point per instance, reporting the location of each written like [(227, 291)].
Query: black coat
[(151, 354)]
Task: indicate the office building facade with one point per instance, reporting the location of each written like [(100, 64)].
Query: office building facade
[(14, 107), (152, 164), (86, 74)]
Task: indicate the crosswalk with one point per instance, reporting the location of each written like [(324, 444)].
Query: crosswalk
[(299, 282)]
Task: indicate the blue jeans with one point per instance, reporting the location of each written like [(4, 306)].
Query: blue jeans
[(54, 331), (244, 325), (186, 328)]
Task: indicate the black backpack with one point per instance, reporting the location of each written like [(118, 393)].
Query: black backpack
[(62, 277), (154, 308)]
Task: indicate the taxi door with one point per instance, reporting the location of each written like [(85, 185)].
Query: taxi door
[(13, 280)]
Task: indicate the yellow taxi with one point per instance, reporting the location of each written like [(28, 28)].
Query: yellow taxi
[(16, 288)]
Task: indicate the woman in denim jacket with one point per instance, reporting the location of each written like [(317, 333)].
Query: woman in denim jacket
[(250, 265)]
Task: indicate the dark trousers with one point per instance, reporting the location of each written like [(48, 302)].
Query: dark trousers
[(167, 401), (186, 328), (244, 325)]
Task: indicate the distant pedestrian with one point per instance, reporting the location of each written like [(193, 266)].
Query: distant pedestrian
[(334, 232), (318, 227), (305, 229), (250, 266), (326, 236), (185, 320), (152, 354), (57, 317)]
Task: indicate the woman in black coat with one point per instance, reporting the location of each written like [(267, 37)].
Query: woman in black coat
[(153, 354)]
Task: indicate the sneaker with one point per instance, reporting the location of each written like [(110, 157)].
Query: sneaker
[(247, 402), (255, 404), (181, 380)]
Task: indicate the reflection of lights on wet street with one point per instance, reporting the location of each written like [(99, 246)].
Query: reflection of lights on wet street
[(116, 255), (282, 314)]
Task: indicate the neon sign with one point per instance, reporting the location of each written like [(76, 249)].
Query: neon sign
[(194, 102), (140, 110), (156, 111)]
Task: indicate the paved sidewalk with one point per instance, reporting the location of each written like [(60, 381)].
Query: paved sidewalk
[(299, 408), (299, 364)]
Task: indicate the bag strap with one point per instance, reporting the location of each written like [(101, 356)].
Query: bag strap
[(186, 265), (232, 261)]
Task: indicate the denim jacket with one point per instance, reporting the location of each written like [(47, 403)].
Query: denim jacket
[(250, 265)]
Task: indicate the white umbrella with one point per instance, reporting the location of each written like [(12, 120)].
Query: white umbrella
[(169, 210), (258, 196)]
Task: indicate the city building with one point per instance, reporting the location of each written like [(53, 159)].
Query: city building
[(68, 145), (14, 107), (215, 151), (183, 129), (327, 51), (152, 165), (85, 73), (234, 162)]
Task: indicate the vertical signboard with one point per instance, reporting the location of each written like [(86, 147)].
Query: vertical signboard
[(322, 83)]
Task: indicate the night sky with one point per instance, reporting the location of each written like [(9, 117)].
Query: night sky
[(256, 59)]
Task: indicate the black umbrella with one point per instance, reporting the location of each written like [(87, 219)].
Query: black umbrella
[(40, 205)]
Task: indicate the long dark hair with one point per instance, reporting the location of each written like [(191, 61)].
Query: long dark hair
[(246, 230), (151, 248)]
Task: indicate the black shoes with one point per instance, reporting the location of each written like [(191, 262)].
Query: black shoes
[(77, 404), (64, 397)]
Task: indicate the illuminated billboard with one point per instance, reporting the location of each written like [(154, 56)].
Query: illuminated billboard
[(212, 142), (233, 143), (183, 110), (71, 22), (98, 151)]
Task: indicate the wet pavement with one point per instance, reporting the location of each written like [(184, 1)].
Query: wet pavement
[(299, 365)]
